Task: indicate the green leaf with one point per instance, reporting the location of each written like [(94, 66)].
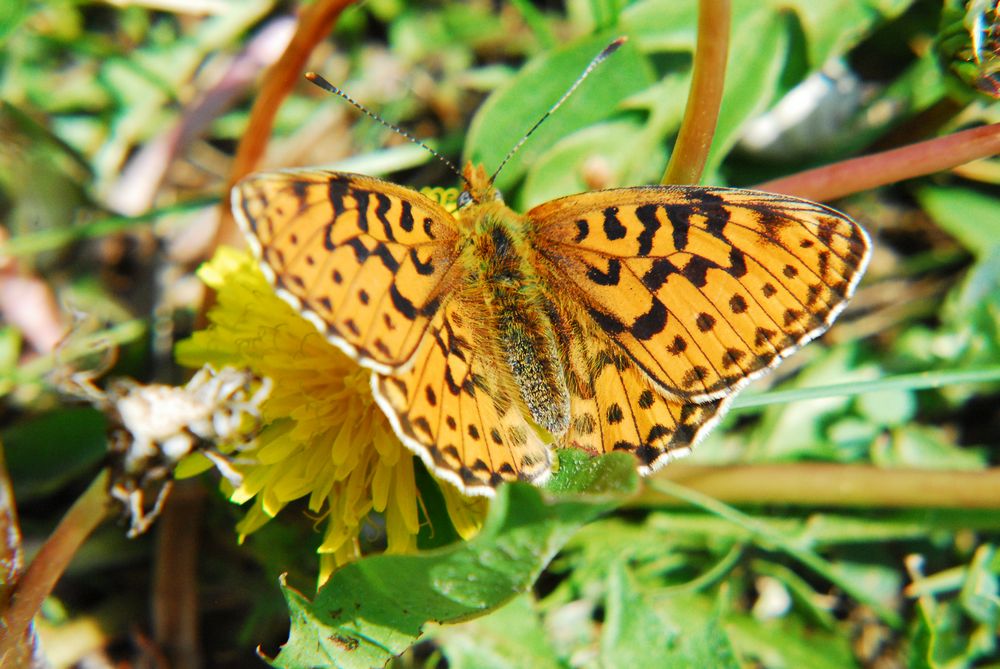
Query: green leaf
[(580, 472), (623, 149), (375, 608), (757, 57), (46, 451), (925, 447), (509, 638), (980, 595), (511, 111), (642, 631), (830, 28), (970, 216)]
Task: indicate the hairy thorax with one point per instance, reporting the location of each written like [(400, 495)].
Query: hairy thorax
[(499, 271)]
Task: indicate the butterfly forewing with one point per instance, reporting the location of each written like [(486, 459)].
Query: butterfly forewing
[(703, 288), (369, 262)]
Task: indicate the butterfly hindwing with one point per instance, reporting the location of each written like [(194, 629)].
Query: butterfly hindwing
[(704, 289), (615, 407), (367, 261), (457, 409)]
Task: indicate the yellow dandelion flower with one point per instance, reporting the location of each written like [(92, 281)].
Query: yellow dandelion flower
[(325, 439)]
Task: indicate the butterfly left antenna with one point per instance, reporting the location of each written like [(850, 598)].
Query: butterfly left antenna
[(330, 88)]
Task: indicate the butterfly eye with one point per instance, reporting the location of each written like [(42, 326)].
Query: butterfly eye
[(464, 198)]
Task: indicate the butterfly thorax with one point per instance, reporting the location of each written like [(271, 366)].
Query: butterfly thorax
[(498, 274)]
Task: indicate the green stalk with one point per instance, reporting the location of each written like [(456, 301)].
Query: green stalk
[(687, 161)]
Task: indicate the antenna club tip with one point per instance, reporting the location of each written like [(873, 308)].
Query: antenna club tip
[(610, 49), (311, 76)]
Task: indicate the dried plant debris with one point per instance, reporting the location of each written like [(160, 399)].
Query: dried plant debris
[(155, 426)]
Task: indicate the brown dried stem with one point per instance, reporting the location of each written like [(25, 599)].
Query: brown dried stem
[(49, 564), (315, 24), (831, 485), (687, 162)]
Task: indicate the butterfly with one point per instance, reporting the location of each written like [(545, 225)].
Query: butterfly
[(613, 320)]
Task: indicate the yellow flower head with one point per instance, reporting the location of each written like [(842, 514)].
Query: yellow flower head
[(325, 437)]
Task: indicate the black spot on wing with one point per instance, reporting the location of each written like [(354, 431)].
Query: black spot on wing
[(737, 263), (401, 303), (609, 278), (647, 216), (607, 322), (362, 197), (338, 190), (384, 205), (361, 251), (406, 217), (658, 273), (382, 253), (650, 323), (423, 268), (696, 270), (613, 228), (680, 220)]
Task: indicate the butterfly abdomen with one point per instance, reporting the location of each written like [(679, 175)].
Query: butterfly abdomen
[(514, 310)]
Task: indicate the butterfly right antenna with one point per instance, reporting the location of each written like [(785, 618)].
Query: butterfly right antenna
[(598, 59), (330, 88)]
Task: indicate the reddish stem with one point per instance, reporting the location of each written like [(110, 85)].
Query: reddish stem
[(878, 169), (315, 24), (51, 561)]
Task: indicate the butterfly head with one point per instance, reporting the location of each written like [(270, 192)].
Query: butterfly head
[(478, 187)]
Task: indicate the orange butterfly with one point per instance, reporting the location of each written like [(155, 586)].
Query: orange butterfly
[(622, 319)]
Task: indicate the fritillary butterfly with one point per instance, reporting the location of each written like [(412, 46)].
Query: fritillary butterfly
[(621, 319)]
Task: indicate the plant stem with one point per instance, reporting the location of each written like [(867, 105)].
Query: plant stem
[(51, 561), (687, 162), (878, 169), (822, 484), (917, 381), (315, 23)]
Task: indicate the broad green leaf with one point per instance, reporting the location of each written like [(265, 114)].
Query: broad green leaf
[(645, 630), (375, 608), (46, 451), (788, 643), (622, 149), (511, 111), (981, 592), (511, 637), (580, 472), (757, 58), (830, 28), (926, 447), (972, 217), (887, 407)]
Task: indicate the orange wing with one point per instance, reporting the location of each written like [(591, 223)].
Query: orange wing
[(704, 289), (368, 262), (458, 409), (615, 407)]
